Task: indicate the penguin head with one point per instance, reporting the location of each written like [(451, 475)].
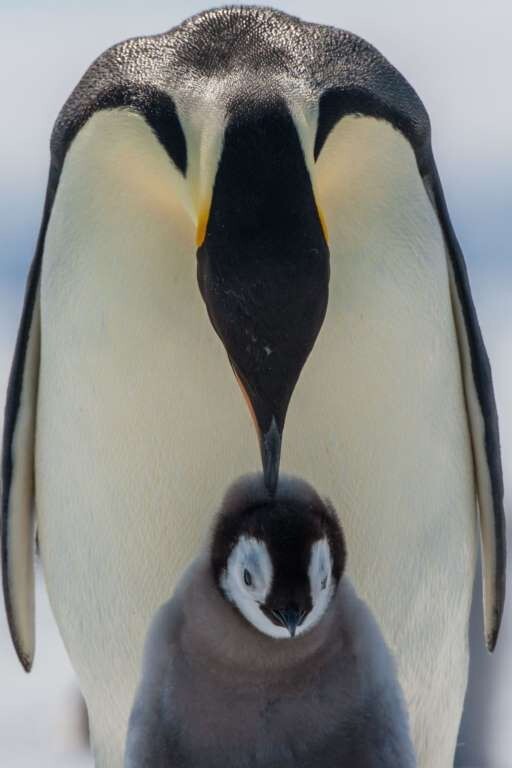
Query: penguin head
[(278, 560), (263, 263)]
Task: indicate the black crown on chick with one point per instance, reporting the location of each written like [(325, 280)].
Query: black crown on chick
[(277, 559)]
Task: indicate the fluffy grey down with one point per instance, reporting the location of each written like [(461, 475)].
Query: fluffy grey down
[(215, 693)]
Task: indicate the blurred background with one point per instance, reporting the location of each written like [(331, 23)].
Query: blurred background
[(457, 55)]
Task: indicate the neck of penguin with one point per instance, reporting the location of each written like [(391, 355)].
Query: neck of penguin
[(215, 633)]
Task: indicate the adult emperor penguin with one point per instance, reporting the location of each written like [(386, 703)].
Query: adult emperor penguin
[(253, 185), (264, 657)]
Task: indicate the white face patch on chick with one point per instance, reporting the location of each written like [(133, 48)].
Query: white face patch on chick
[(248, 577), (321, 583), (247, 581)]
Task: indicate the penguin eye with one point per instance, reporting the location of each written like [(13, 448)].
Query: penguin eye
[(247, 577), (323, 583)]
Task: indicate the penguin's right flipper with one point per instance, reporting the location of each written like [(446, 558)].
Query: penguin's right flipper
[(18, 545), (482, 418)]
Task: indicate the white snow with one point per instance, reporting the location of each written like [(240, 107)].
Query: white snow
[(41, 716)]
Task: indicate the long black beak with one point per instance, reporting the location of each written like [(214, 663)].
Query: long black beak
[(270, 446), (268, 429)]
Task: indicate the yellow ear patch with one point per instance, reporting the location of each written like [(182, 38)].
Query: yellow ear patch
[(202, 223), (323, 223)]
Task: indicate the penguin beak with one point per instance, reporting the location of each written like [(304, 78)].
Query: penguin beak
[(269, 437), (270, 447), (289, 617)]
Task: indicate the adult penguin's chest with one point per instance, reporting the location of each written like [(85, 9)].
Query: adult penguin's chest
[(140, 422), (378, 419)]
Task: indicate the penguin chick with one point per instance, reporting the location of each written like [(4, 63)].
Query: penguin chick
[(265, 657)]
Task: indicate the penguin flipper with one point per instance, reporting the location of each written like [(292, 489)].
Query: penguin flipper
[(483, 422), (18, 518)]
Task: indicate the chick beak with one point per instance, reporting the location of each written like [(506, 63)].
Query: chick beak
[(291, 618)]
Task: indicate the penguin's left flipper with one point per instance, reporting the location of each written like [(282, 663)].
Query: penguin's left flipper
[(18, 539), (104, 89), (483, 420)]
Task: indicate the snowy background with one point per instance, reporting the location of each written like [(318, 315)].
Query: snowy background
[(456, 53)]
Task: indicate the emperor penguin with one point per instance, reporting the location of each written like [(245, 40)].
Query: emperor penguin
[(254, 195), (265, 657)]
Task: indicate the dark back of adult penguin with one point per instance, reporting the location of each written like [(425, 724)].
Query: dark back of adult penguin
[(248, 194)]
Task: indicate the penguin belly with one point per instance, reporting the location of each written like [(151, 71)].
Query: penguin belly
[(140, 421), (378, 421)]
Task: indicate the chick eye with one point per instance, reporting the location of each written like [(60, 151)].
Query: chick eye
[(323, 583), (247, 578)]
